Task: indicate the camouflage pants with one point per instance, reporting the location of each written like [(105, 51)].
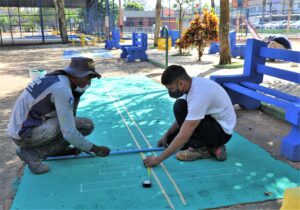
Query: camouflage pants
[(48, 139)]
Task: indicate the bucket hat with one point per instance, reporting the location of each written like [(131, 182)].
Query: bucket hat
[(81, 67)]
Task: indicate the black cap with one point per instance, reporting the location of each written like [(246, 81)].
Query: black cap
[(81, 67)]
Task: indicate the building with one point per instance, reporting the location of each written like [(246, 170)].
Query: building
[(146, 19)]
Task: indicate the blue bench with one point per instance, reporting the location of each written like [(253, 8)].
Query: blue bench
[(245, 90), (236, 50), (137, 50), (115, 41), (173, 34)]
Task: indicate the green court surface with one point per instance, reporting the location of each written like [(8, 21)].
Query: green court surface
[(134, 108)]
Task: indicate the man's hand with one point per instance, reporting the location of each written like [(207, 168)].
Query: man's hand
[(100, 151), (151, 161), (162, 142)]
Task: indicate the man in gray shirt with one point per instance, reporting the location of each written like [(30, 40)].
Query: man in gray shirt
[(43, 122)]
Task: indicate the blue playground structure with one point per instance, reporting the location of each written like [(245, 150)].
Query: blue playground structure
[(245, 89), (115, 41), (173, 34), (137, 50), (235, 49)]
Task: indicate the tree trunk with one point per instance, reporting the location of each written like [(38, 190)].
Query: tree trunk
[(157, 21), (60, 8), (263, 12), (289, 15), (225, 57), (212, 4), (180, 26)]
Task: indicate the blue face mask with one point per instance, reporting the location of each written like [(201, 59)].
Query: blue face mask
[(81, 90)]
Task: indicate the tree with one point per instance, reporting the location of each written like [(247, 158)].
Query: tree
[(289, 15), (212, 3), (60, 9), (157, 21), (182, 5), (263, 11), (225, 57), (203, 29), (101, 6), (134, 6)]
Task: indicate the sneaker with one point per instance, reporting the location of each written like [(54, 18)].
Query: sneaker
[(220, 153), (193, 154), (31, 159)]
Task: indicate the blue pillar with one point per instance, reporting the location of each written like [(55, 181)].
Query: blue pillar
[(41, 20)]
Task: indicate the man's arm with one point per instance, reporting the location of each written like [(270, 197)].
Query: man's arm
[(179, 141), (64, 104), (76, 101), (163, 139)]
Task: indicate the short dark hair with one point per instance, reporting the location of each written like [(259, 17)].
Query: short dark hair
[(172, 73)]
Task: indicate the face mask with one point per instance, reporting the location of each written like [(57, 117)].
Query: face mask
[(81, 90), (177, 94)]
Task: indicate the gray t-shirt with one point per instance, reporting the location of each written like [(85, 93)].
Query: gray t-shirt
[(44, 98)]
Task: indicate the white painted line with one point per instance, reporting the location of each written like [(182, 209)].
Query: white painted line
[(142, 155), (109, 188), (149, 145)]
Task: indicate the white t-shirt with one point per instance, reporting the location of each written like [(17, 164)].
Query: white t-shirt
[(207, 97)]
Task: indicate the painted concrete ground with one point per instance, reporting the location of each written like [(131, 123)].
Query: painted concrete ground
[(134, 111)]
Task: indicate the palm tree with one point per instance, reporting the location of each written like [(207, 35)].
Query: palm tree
[(157, 21), (225, 57), (60, 9)]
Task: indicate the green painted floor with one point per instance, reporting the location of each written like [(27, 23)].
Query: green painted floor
[(136, 108)]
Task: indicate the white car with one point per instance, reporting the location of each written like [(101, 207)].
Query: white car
[(279, 24), (295, 25), (270, 25)]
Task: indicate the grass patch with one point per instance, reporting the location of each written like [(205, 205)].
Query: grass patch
[(233, 65), (156, 63), (182, 54), (273, 111), (276, 31)]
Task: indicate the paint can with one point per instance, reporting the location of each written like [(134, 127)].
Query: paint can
[(35, 74)]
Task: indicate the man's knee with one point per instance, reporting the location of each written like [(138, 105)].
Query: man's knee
[(180, 107), (84, 125)]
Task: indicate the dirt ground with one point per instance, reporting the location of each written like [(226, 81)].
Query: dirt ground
[(15, 62)]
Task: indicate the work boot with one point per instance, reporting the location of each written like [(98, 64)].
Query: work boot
[(220, 153), (193, 154), (33, 161)]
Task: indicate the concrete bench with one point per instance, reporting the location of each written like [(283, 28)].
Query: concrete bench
[(138, 48), (114, 42), (236, 50), (173, 34), (246, 90)]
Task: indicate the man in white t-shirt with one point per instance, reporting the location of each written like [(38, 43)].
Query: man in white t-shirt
[(204, 115)]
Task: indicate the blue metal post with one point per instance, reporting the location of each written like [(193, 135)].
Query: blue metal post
[(167, 44), (113, 14), (117, 152), (41, 20)]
